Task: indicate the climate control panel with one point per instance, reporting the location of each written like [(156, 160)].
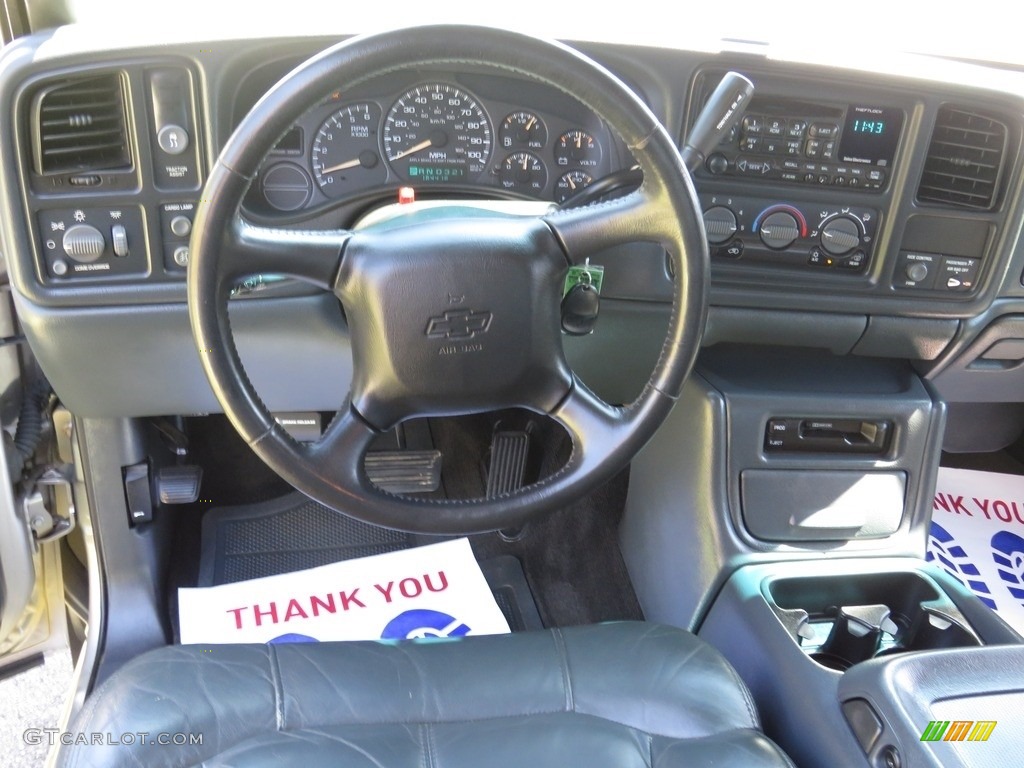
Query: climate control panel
[(800, 235)]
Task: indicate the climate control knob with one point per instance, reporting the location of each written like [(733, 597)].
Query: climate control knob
[(719, 223), (840, 236), (84, 243), (779, 230)]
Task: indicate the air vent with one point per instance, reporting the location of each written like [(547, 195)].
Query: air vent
[(80, 126), (965, 159)]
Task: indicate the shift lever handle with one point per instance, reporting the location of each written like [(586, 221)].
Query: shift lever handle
[(722, 111)]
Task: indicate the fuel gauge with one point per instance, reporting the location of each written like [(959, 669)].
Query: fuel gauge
[(523, 129)]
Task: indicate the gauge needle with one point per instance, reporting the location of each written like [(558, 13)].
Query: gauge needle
[(526, 160), (342, 166), (571, 183), (414, 148), (529, 124)]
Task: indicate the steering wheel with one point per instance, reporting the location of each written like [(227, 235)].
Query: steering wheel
[(450, 316)]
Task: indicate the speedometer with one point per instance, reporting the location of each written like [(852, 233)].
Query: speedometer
[(437, 133)]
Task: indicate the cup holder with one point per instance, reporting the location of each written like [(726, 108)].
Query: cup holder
[(840, 621)]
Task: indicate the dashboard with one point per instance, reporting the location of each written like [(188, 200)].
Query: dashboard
[(443, 132), (868, 212)]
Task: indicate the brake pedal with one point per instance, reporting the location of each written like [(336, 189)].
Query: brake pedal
[(509, 452), (404, 471)]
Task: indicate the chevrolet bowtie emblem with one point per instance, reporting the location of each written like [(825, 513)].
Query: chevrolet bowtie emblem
[(459, 324)]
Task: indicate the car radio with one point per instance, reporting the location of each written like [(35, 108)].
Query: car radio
[(851, 145)]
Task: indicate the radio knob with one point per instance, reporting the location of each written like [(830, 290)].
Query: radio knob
[(779, 230), (840, 236), (719, 223), (84, 243), (717, 164)]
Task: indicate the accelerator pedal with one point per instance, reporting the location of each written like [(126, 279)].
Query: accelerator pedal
[(404, 471), (509, 452)]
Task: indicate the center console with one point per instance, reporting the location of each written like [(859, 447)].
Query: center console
[(854, 660), (781, 514)]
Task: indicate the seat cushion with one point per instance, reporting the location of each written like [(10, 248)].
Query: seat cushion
[(626, 694)]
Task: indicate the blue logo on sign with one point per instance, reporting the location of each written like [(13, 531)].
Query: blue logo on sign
[(419, 623), (292, 637), (945, 552), (1008, 552)]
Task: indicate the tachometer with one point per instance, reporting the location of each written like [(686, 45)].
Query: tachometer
[(437, 133), (345, 150)]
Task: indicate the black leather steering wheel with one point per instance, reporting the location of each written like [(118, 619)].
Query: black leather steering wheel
[(396, 286)]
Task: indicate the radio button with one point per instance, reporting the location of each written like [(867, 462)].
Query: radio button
[(753, 124), (797, 129), (775, 126), (824, 130), (794, 147), (828, 150), (748, 167), (773, 147), (813, 148), (751, 144)]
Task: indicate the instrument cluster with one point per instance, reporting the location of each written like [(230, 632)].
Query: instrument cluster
[(441, 137)]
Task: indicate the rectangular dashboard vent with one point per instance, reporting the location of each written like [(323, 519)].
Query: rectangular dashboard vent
[(965, 159), (80, 125)]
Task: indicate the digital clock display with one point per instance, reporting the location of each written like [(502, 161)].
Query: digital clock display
[(870, 135), (876, 127)]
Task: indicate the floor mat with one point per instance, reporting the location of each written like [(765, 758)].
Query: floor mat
[(293, 533), (977, 536)]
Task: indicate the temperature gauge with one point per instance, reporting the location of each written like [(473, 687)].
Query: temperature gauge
[(571, 183), (523, 129), (577, 147)]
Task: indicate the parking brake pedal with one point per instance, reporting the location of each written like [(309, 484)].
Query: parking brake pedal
[(404, 471), (179, 485), (509, 451)]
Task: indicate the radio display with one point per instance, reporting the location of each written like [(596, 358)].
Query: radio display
[(870, 135)]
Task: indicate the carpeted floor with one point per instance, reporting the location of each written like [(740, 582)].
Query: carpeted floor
[(30, 701)]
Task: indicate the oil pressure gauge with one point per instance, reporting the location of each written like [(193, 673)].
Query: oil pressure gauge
[(523, 172)]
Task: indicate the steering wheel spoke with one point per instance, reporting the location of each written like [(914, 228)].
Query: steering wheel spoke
[(632, 218), (337, 455), (312, 256)]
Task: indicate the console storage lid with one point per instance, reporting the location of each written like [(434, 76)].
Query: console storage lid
[(962, 690)]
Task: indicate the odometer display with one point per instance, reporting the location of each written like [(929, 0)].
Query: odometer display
[(437, 133)]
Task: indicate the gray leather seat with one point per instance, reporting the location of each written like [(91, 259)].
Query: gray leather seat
[(628, 694)]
